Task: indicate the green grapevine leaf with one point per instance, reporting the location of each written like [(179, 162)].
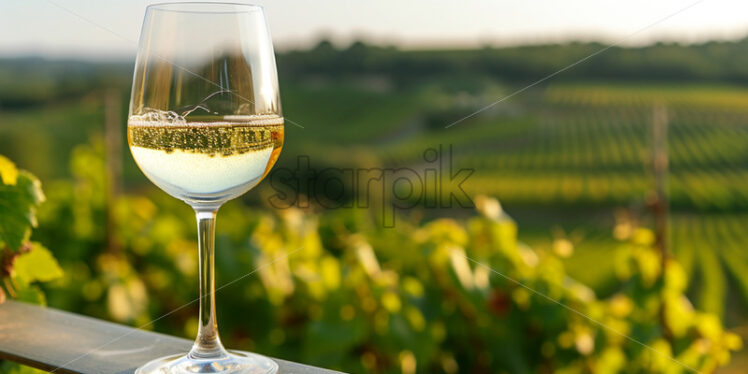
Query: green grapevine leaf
[(8, 171), (36, 265), (18, 203), (30, 294)]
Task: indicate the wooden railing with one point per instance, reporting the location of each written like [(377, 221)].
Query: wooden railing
[(63, 342)]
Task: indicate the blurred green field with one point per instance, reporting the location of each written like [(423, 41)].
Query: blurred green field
[(588, 147), (566, 159), (563, 159)]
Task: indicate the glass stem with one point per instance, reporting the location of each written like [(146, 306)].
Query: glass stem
[(207, 344)]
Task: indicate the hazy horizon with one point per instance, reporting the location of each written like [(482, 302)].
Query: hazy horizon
[(128, 58), (108, 29)]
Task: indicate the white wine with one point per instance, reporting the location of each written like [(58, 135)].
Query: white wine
[(210, 161)]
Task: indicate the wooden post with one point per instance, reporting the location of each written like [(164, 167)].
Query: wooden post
[(659, 199), (659, 202), (113, 141)]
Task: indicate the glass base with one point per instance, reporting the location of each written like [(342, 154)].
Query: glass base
[(236, 362)]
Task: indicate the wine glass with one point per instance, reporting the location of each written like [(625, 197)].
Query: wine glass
[(205, 126)]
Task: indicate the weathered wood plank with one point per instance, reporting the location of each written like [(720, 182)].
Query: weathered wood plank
[(51, 339)]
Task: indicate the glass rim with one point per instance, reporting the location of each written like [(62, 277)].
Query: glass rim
[(205, 7)]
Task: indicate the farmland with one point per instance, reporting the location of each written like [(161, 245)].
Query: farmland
[(565, 158), (570, 161)]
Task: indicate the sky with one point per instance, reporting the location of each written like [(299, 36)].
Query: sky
[(110, 28)]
